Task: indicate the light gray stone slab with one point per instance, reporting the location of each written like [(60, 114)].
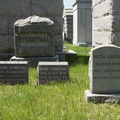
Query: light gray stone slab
[(107, 9), (102, 98), (96, 2), (104, 69), (110, 7), (106, 38), (52, 71), (13, 72), (34, 36), (102, 24), (45, 7)]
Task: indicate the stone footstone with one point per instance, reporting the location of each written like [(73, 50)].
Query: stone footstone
[(52, 71), (13, 72), (102, 98)]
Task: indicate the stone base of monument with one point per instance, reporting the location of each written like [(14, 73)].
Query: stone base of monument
[(102, 98), (33, 61)]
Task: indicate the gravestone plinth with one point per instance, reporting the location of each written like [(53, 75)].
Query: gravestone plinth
[(13, 72), (34, 38), (52, 71), (104, 70)]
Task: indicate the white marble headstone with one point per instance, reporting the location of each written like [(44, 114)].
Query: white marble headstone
[(104, 69)]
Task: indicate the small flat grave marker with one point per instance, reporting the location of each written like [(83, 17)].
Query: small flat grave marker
[(52, 71), (13, 72)]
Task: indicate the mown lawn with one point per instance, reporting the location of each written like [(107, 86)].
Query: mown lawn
[(56, 101)]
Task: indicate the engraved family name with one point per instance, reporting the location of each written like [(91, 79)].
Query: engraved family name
[(13, 72), (34, 38), (52, 71), (104, 71)]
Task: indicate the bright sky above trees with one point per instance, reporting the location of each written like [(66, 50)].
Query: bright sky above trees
[(68, 3)]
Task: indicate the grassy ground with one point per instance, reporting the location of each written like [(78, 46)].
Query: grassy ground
[(56, 101)]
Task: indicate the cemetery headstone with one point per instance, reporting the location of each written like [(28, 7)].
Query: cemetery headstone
[(52, 71), (34, 36), (13, 72), (104, 71), (34, 40), (13, 10)]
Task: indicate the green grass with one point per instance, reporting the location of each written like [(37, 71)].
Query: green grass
[(56, 101)]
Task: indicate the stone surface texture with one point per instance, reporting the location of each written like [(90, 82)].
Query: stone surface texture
[(13, 72), (52, 71), (13, 10), (102, 98), (34, 36), (106, 22), (82, 23), (104, 69)]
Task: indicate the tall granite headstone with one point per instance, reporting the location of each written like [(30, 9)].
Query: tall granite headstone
[(34, 39), (104, 72)]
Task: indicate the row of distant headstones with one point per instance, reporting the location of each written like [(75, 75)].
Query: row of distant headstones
[(16, 72)]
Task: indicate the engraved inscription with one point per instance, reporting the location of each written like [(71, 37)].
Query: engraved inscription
[(13, 73), (106, 66), (33, 39), (53, 72)]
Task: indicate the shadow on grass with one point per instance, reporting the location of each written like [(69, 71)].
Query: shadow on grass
[(76, 59)]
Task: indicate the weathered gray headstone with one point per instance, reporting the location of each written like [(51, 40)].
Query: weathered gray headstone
[(104, 70), (34, 36), (13, 10), (52, 71), (13, 72), (34, 40)]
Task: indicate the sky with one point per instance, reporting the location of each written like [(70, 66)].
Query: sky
[(68, 3)]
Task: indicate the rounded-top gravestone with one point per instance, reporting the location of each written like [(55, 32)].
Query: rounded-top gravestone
[(34, 36)]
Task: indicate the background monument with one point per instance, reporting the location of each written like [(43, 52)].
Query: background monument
[(82, 25), (34, 40), (13, 10), (106, 22), (68, 25)]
